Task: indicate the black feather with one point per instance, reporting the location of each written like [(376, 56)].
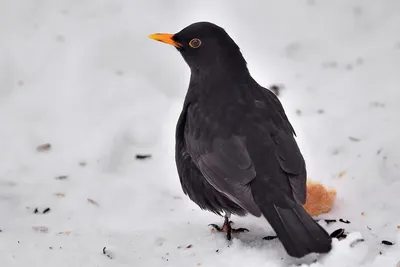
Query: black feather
[(298, 232)]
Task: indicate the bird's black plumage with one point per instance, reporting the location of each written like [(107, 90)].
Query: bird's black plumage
[(235, 147)]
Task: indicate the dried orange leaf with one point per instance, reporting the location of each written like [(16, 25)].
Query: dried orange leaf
[(319, 198)]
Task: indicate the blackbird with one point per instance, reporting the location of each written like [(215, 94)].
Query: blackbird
[(235, 149)]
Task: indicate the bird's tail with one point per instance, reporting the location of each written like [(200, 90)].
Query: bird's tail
[(297, 230)]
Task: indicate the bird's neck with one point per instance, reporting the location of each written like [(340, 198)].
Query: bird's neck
[(216, 84), (221, 69), (227, 62), (220, 76)]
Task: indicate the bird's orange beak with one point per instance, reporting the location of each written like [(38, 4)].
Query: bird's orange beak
[(165, 38)]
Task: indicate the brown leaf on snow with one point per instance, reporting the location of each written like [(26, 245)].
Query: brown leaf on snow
[(59, 194), (91, 201), (320, 199)]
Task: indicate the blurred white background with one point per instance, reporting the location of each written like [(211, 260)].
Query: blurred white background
[(84, 76)]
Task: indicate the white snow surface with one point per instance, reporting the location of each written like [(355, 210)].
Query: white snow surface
[(84, 77)]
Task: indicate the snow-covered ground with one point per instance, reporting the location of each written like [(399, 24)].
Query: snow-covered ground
[(84, 77)]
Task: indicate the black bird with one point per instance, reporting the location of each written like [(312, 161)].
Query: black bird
[(235, 147)]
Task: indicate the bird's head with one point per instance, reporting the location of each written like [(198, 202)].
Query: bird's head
[(205, 46)]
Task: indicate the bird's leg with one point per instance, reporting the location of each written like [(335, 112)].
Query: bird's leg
[(226, 228)]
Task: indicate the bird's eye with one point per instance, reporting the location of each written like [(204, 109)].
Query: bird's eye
[(195, 43)]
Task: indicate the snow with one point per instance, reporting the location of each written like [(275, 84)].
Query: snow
[(84, 77)]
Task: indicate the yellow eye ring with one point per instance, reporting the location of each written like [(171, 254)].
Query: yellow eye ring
[(195, 43)]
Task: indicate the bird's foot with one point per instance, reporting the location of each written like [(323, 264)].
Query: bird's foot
[(227, 228)]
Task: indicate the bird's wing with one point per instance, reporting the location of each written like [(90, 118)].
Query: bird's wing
[(292, 163), (287, 151), (192, 180), (223, 160)]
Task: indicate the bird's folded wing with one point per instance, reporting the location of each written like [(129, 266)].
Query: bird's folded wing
[(292, 163), (287, 151), (226, 165), (229, 169)]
